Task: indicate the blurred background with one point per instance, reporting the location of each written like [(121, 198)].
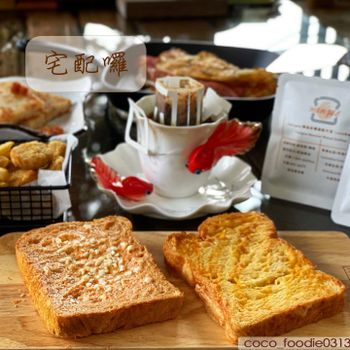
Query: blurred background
[(263, 24), (269, 25)]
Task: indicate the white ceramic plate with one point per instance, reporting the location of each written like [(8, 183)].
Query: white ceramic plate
[(72, 122), (235, 173)]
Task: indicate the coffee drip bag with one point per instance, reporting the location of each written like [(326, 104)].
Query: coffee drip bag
[(309, 139), (179, 101)]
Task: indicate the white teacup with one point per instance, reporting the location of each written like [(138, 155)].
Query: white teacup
[(164, 151)]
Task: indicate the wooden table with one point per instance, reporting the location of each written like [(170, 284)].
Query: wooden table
[(21, 327), (87, 200)]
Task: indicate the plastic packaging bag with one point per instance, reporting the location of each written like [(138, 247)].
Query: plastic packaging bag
[(309, 140), (341, 206)]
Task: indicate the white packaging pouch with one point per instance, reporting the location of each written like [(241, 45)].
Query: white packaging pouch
[(310, 134), (341, 206)]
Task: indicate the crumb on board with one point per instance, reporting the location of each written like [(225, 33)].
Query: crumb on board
[(16, 302)]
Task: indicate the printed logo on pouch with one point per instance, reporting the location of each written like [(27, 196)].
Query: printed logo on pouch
[(325, 110)]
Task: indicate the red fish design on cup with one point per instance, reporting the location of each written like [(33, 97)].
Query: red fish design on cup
[(228, 139), (129, 187)]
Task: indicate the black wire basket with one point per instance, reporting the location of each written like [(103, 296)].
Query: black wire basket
[(27, 207)]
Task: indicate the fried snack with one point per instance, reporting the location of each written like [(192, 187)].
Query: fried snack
[(212, 71), (5, 148), (23, 106), (36, 122), (55, 106), (204, 65), (51, 130), (31, 155), (58, 148), (22, 177), (18, 103), (19, 164), (4, 161), (4, 175), (57, 163)]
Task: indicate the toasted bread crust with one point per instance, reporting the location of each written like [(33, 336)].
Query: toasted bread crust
[(182, 252), (144, 296), (251, 220)]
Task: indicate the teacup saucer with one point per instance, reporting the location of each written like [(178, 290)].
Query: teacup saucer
[(229, 183)]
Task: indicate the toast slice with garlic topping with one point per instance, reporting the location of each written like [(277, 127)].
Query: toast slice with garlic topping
[(94, 277)]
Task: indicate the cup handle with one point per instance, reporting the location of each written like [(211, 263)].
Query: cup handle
[(128, 139)]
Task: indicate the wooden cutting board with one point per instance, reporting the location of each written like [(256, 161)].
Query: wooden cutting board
[(21, 328)]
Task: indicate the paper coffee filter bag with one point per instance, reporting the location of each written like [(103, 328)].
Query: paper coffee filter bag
[(341, 207), (309, 140)]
